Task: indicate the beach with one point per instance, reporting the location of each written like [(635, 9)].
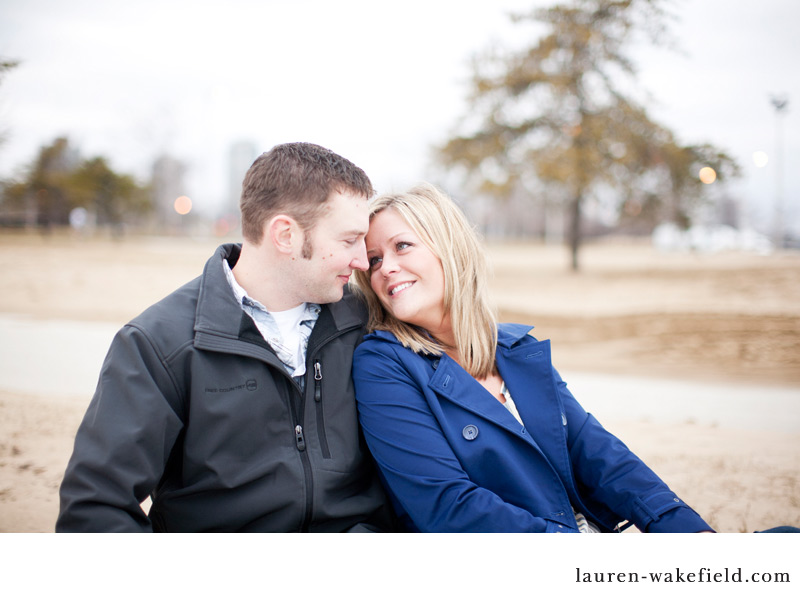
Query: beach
[(692, 359)]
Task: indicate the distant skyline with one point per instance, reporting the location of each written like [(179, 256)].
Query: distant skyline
[(378, 84)]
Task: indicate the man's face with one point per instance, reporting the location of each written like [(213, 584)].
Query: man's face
[(333, 249)]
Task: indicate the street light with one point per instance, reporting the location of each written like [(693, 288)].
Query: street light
[(707, 175), (182, 205), (780, 103)]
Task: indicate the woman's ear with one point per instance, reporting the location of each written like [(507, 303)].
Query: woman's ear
[(284, 233)]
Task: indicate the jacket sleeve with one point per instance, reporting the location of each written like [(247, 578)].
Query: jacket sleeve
[(123, 442), (415, 459), (609, 473)]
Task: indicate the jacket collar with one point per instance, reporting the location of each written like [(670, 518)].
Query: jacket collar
[(218, 313), (508, 334)]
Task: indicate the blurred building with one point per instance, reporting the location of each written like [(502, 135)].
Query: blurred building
[(240, 156), (523, 214), (167, 186)]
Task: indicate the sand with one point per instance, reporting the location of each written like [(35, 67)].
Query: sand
[(631, 312)]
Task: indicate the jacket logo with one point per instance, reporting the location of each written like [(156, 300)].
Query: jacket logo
[(249, 385)]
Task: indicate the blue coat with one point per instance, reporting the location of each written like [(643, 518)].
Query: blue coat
[(455, 460)]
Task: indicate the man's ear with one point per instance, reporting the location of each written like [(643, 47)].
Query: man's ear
[(284, 233)]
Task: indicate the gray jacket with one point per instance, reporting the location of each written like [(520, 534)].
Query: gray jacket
[(194, 408)]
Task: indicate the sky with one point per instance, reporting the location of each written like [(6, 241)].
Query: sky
[(378, 82)]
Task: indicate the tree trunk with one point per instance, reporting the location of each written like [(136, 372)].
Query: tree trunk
[(574, 230)]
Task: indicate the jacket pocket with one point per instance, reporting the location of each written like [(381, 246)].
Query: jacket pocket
[(319, 405)]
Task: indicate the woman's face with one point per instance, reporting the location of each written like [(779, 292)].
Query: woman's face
[(406, 275)]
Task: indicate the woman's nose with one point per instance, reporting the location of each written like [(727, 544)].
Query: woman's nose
[(389, 265)]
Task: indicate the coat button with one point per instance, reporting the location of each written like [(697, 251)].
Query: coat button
[(470, 432), (563, 419)]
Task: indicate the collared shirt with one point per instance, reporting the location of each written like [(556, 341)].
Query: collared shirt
[(291, 344)]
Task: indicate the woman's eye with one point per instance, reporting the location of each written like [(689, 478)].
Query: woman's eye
[(374, 261), (403, 245)]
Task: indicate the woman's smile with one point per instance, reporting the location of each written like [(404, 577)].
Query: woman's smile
[(393, 290)]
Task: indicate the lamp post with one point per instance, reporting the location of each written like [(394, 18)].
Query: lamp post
[(780, 104)]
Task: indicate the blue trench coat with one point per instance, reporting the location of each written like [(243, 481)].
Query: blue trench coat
[(455, 460)]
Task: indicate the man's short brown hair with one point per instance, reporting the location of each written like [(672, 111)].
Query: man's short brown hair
[(296, 179)]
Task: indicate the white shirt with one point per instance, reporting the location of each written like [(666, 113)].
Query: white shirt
[(286, 332)]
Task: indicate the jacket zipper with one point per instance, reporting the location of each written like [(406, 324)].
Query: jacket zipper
[(299, 435), (300, 443), (321, 432), (299, 439), (297, 426), (323, 438)]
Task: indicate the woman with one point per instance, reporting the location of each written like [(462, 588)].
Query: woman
[(471, 427)]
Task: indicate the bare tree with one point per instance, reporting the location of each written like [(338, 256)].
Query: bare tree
[(557, 112)]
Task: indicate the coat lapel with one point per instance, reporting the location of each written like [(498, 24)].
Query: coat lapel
[(528, 373), (452, 382)]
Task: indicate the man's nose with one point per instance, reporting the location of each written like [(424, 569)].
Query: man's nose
[(360, 261)]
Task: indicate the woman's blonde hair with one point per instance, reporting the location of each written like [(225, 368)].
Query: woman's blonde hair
[(443, 228)]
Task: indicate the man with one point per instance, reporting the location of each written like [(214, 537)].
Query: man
[(230, 401)]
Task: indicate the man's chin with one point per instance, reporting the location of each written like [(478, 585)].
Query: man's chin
[(333, 296)]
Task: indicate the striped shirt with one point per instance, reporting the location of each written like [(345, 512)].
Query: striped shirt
[(286, 332)]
